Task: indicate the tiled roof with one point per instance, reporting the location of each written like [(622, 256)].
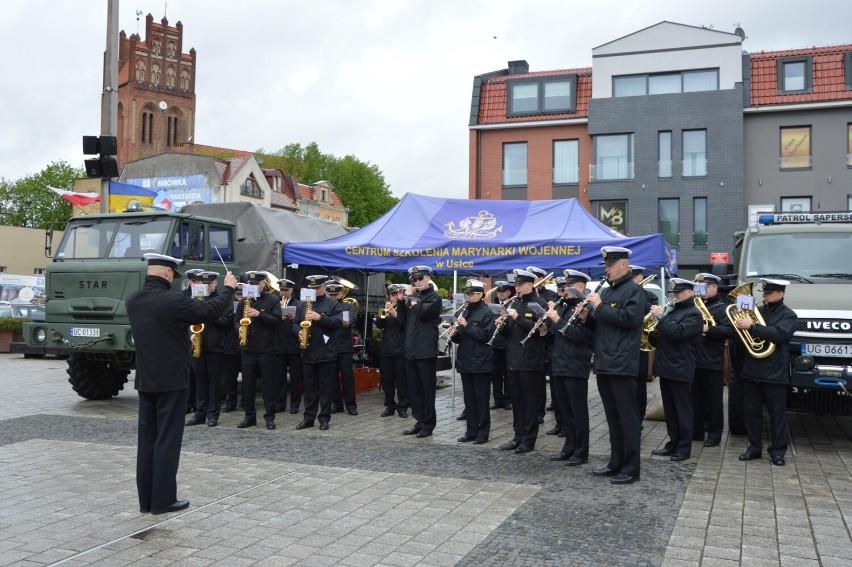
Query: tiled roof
[(237, 164), (829, 81), (277, 199), (305, 192), (216, 151), (492, 97)]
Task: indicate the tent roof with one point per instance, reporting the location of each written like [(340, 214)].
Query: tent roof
[(478, 236)]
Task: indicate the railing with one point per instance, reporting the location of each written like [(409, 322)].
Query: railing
[(694, 166), (617, 170)]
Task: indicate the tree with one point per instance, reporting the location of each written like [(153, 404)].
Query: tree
[(29, 202)]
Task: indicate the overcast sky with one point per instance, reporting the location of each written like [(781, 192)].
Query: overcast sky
[(388, 81)]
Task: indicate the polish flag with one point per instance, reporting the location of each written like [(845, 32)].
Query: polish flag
[(79, 199)]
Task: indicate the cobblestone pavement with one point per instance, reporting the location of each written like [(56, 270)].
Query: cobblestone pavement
[(363, 494)]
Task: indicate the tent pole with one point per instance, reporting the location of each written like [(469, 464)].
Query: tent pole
[(452, 345)]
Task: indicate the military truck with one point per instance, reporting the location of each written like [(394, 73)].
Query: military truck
[(814, 252), (96, 266)]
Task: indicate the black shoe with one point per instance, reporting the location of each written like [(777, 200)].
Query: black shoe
[(509, 445), (212, 422), (229, 408), (323, 426), (403, 413), (480, 441), (352, 411), (778, 461), (549, 408), (294, 411), (662, 452), (304, 424), (336, 410), (576, 461), (560, 456), (507, 406), (144, 510), (462, 416), (749, 456), (195, 421), (554, 431), (496, 406), (190, 409), (388, 412), (604, 471), (247, 422), (711, 443), (411, 431), (624, 479), (678, 457), (561, 433), (521, 449), (421, 434), (270, 425), (465, 438), (176, 507), (541, 420)]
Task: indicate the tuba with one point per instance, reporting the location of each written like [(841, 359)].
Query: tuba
[(347, 287), (756, 347)]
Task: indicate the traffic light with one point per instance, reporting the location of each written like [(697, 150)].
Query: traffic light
[(106, 147)]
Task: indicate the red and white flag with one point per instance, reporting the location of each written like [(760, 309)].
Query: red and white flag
[(79, 199)]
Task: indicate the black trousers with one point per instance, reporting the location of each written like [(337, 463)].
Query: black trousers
[(500, 378), (528, 388), (618, 395), (557, 411), (319, 385), (160, 429), (642, 384), (345, 380), (477, 392), (677, 404), (422, 383), (208, 370), (232, 365), (261, 366), (190, 397), (291, 366), (394, 382), (572, 399), (707, 391), (774, 397)]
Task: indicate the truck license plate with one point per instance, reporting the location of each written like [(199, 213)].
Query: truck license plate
[(85, 332), (837, 351)]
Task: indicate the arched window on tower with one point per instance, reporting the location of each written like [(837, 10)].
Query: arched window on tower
[(147, 127), (170, 77), (157, 46), (174, 131), (171, 49), (184, 79), (155, 73), (140, 71)]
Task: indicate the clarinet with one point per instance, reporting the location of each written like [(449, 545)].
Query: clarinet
[(580, 307), (452, 329), (508, 305), (540, 320)]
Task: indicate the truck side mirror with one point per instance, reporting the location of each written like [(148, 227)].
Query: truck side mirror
[(48, 243)]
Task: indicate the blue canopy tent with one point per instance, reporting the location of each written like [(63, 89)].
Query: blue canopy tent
[(473, 236)]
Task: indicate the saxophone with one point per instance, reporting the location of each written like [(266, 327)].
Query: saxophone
[(305, 331), (197, 331), (245, 322)]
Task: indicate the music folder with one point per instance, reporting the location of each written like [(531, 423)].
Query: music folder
[(536, 308), (498, 309)]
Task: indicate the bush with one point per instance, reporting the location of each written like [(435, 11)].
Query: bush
[(16, 325)]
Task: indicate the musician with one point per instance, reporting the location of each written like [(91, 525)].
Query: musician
[(500, 376), (572, 361), (232, 361), (526, 363), (423, 314), (617, 321), (290, 352), (475, 361), (258, 355), (191, 280), (159, 318), (708, 386), (209, 366), (766, 379), (394, 381), (548, 295), (642, 378), (344, 375), (320, 358), (674, 363)]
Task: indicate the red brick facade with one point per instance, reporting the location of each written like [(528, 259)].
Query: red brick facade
[(150, 72)]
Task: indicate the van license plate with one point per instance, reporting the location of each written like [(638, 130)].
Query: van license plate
[(85, 332), (836, 351)]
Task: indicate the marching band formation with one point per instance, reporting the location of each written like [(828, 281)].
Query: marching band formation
[(508, 340)]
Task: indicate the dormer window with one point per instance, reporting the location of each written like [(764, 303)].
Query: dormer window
[(847, 67), (323, 196), (795, 75), (543, 95)]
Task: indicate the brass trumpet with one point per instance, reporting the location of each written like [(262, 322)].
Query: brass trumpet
[(756, 347)]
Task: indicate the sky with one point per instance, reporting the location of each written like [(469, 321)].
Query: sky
[(388, 81)]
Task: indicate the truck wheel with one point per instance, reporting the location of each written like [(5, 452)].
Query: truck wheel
[(95, 380), (736, 405)]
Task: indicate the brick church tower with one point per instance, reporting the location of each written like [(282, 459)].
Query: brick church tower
[(156, 91)]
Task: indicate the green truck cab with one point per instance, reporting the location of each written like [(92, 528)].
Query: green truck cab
[(96, 266), (814, 252)]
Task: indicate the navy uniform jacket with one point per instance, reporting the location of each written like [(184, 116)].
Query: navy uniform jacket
[(529, 357), (263, 331), (159, 319), (216, 335), (473, 354), (421, 325), (710, 349), (572, 352), (393, 333), (674, 358), (288, 336), (618, 328), (322, 346), (344, 335), (779, 328)]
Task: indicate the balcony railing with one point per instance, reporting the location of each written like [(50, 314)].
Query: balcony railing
[(797, 162), (694, 167), (664, 168), (616, 171)]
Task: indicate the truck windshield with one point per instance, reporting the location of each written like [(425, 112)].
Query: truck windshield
[(113, 239), (811, 255)]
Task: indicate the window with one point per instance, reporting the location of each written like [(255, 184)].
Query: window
[(795, 75), (147, 127), (542, 96), (795, 204), (140, 71), (316, 215), (184, 79), (613, 157), (515, 164), (155, 73), (847, 65), (566, 161), (699, 222), (221, 244), (666, 83), (171, 50), (189, 241), (694, 153), (795, 151), (669, 220), (849, 145), (170, 77), (324, 195), (157, 46), (38, 272), (848, 207), (664, 158), (2, 269), (250, 188)]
